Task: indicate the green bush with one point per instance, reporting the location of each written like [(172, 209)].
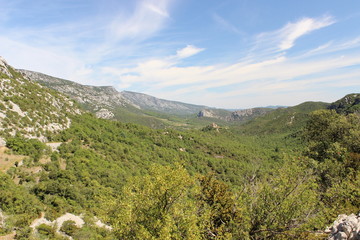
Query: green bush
[(45, 229), (69, 227)]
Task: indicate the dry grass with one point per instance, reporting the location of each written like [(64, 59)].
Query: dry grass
[(8, 160), (10, 236)]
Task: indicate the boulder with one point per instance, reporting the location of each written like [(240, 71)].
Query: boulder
[(345, 228)]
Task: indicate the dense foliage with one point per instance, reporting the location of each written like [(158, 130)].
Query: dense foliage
[(168, 184)]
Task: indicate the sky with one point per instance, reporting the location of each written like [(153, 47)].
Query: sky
[(230, 54)]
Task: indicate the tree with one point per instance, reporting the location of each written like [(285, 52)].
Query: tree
[(333, 140), (224, 218), (282, 203), (157, 206)]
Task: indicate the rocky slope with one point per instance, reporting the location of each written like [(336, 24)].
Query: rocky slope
[(238, 115), (106, 100), (101, 100), (30, 109), (147, 102), (348, 104)]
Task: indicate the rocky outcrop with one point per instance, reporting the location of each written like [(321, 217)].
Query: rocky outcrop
[(239, 115), (207, 113), (247, 114), (57, 223), (104, 113), (345, 228), (4, 67)]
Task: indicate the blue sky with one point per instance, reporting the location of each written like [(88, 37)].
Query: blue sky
[(226, 54)]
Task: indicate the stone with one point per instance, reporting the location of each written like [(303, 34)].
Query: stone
[(345, 228)]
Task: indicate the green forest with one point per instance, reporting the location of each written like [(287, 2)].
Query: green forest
[(210, 183)]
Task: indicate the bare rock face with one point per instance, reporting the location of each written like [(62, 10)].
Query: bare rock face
[(239, 115), (104, 113), (248, 113), (4, 67), (345, 228), (206, 113)]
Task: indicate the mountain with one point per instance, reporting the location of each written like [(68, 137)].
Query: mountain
[(97, 98), (29, 108), (348, 104), (106, 102), (148, 102)]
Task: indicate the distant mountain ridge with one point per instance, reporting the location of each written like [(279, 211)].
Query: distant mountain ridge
[(96, 98), (106, 102), (144, 101)]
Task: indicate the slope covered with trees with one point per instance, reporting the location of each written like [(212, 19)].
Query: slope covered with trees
[(155, 184), (218, 182)]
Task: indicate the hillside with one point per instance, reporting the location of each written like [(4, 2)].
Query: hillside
[(282, 120), (105, 179), (106, 102), (348, 104), (29, 108), (106, 169)]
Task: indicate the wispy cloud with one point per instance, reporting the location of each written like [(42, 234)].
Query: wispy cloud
[(276, 74), (285, 37), (73, 49), (292, 31), (110, 50), (188, 51), (147, 19)]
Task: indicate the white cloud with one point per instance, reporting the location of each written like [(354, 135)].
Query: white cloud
[(293, 31), (272, 76), (48, 61), (148, 18), (268, 43), (267, 70), (188, 51)]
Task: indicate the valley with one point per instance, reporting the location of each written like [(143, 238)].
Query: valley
[(148, 168)]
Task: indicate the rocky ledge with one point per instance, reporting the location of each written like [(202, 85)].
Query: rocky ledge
[(345, 228)]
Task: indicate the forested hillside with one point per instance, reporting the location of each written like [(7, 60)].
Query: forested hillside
[(114, 180)]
